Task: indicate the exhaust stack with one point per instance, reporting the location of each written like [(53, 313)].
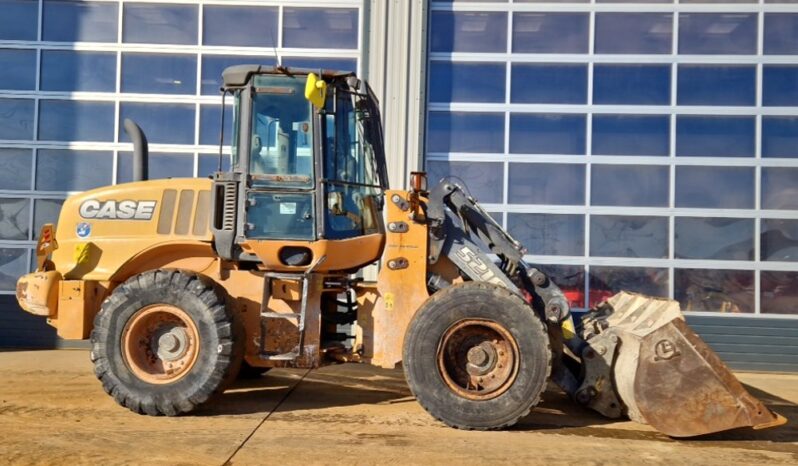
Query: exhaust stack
[(140, 150)]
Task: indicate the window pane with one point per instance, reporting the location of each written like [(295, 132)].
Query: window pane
[(714, 238), (550, 32), (633, 32), (730, 291), (631, 135), (213, 65), (468, 32), (210, 123), (542, 183), (161, 166), (70, 70), (77, 21), (779, 136), (632, 84), (155, 23), (570, 279), (628, 236), (483, 180), (246, 26), (70, 120), (45, 211), (779, 85), (16, 119), (550, 83), (16, 170), (730, 187), (549, 234), (637, 185), (330, 28), (328, 63), (19, 69), (715, 136), (779, 292), (19, 20), (721, 33), (155, 73), (781, 34), (466, 82), (208, 164), (779, 240), (547, 134), (779, 188), (14, 218), (465, 132), (716, 85), (72, 170), (13, 264), (606, 281), (162, 123)]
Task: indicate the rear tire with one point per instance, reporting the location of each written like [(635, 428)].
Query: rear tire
[(476, 356), (164, 343)]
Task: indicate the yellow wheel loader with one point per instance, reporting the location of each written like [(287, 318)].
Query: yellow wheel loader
[(181, 282)]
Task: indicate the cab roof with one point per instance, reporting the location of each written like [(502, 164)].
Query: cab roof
[(239, 75)]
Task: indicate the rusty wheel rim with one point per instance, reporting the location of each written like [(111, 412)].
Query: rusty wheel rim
[(160, 344), (478, 359)]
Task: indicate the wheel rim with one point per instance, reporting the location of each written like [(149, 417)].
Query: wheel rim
[(478, 359), (160, 343)]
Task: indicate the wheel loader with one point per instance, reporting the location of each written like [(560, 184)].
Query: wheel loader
[(182, 283)]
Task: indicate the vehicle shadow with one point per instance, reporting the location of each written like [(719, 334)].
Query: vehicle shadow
[(349, 385), (569, 418), (323, 388)]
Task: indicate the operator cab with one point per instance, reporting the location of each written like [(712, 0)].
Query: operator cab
[(308, 170)]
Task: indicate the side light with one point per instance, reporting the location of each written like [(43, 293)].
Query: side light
[(418, 181)]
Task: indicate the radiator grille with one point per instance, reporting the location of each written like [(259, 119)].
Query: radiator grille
[(184, 213), (229, 212)]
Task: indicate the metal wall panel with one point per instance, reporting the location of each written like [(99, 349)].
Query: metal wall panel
[(751, 344)]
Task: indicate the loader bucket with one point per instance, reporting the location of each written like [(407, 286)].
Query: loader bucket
[(663, 373)]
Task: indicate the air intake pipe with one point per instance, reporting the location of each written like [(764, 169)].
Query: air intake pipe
[(140, 150)]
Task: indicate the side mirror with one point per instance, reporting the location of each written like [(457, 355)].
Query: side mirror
[(335, 203), (315, 90)]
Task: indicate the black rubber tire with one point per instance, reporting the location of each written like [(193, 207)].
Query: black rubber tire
[(219, 352), (252, 372), (472, 300)]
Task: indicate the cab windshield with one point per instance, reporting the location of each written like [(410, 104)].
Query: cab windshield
[(281, 147)]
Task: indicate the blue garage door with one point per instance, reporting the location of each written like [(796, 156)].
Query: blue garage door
[(646, 146)]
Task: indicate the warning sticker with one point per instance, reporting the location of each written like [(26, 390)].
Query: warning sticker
[(288, 208)]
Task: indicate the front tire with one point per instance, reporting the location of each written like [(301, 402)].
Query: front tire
[(476, 356), (164, 343)]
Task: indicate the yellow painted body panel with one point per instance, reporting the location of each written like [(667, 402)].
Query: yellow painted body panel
[(78, 303), (37, 292), (114, 242), (340, 254), (401, 291)]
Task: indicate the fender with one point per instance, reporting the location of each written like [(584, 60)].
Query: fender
[(196, 256)]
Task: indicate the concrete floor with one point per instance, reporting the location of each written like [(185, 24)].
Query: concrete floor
[(53, 411)]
